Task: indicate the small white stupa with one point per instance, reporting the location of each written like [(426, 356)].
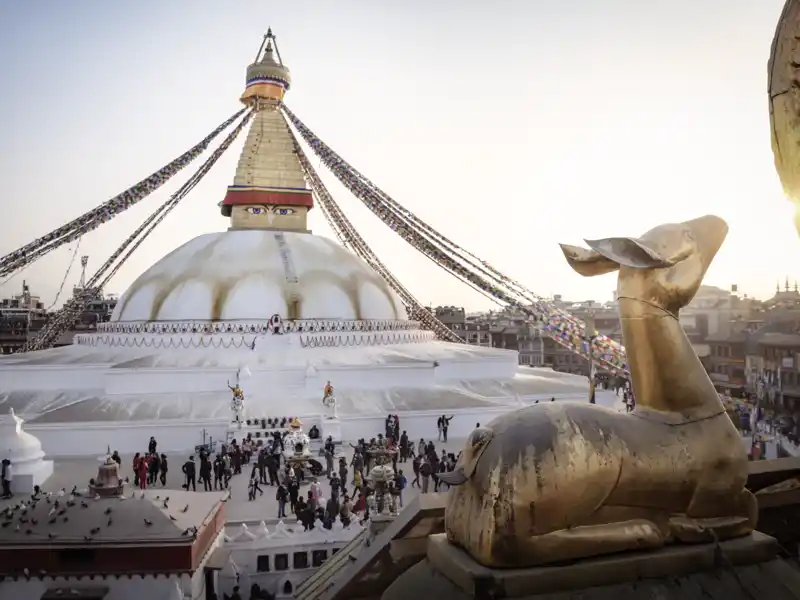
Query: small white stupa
[(28, 467)]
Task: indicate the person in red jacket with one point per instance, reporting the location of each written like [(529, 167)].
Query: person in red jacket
[(144, 465)]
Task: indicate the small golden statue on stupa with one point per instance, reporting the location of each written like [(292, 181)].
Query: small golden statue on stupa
[(329, 400), (237, 402)]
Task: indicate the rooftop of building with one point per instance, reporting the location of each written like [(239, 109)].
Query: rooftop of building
[(142, 518)]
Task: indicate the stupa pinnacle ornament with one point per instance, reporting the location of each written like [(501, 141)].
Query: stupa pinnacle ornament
[(269, 190)]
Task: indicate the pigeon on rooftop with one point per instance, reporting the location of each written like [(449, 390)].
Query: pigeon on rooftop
[(185, 509), (148, 522), (62, 492)]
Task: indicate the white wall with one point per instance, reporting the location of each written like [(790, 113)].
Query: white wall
[(245, 557), (135, 588), (92, 439)]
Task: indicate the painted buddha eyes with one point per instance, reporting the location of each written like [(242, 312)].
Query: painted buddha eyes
[(262, 210)]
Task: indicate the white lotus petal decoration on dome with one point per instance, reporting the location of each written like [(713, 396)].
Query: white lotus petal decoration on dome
[(337, 524), (318, 526), (240, 275)]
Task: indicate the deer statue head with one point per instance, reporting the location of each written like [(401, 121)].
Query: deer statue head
[(664, 267)]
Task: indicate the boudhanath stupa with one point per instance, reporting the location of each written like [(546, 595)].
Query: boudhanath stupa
[(271, 308)]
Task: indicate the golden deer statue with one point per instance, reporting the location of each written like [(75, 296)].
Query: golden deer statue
[(564, 480)]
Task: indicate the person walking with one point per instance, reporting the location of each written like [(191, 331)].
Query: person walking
[(282, 496), (445, 426), (190, 472)]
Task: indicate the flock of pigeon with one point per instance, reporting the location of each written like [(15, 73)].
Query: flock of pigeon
[(28, 517)]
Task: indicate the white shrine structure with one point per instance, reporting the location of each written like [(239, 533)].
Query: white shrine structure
[(294, 309), (28, 465), (280, 558)]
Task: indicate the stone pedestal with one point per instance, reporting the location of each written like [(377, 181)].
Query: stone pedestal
[(332, 427), (449, 572)]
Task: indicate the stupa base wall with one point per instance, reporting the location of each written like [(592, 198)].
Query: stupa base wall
[(181, 436)]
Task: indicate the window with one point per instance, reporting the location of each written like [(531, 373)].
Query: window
[(300, 560), (287, 588), (262, 563), (281, 562), (318, 557), (334, 551)]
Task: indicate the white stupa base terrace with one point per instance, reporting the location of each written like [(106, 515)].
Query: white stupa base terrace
[(129, 381)]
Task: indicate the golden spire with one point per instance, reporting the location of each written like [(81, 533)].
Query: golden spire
[(269, 190)]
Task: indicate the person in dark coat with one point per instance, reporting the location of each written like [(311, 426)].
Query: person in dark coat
[(190, 472), (205, 473)]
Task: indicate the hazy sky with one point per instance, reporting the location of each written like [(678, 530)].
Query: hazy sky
[(507, 125)]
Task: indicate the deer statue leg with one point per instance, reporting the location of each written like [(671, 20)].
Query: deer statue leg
[(715, 514), (591, 540)]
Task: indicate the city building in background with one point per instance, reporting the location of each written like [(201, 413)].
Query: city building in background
[(23, 315)]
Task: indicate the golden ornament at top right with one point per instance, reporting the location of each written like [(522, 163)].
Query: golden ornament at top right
[(784, 102)]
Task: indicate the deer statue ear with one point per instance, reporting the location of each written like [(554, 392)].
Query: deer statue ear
[(587, 262), (629, 252)]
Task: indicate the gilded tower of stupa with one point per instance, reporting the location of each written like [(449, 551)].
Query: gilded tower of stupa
[(269, 190)]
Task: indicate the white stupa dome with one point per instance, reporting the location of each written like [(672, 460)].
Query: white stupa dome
[(17, 445), (252, 274)]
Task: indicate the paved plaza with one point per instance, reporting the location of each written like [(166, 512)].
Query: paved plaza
[(71, 472), (77, 472)]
